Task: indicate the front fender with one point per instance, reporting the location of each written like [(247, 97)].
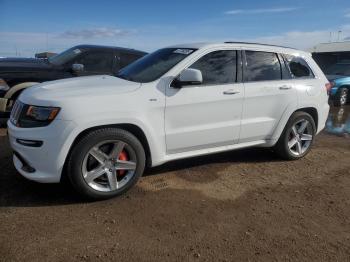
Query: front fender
[(3, 104), (156, 145), (9, 94), (17, 88)]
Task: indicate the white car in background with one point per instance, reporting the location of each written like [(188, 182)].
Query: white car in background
[(178, 102)]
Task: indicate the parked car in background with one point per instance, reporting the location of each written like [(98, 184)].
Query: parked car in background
[(178, 102), (17, 74), (44, 55), (339, 76), (334, 59)]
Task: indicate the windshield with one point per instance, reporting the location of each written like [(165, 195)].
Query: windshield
[(339, 69), (64, 57), (154, 65)]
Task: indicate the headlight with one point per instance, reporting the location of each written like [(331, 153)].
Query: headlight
[(3, 85), (40, 113), (34, 116)]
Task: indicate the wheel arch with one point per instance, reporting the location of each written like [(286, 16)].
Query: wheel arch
[(344, 86), (311, 111), (16, 89), (132, 128)]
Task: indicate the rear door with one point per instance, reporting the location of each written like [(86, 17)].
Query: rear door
[(267, 94)]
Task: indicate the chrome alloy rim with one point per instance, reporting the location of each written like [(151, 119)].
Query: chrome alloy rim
[(300, 137), (109, 165), (343, 98)]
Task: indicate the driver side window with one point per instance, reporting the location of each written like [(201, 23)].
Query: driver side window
[(96, 62), (219, 67)]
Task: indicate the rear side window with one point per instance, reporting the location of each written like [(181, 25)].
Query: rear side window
[(262, 66), (298, 67), (219, 67)]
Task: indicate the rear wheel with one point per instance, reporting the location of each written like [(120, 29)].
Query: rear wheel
[(341, 97), (106, 163), (297, 137)]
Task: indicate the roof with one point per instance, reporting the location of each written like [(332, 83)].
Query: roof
[(130, 50), (275, 48), (331, 47)]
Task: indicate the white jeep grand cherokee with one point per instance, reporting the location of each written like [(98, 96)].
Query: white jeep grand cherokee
[(178, 102)]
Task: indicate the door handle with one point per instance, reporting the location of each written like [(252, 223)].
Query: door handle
[(230, 92), (285, 87)]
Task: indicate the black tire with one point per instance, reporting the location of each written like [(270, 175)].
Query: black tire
[(3, 123), (82, 148), (341, 98), (282, 148)]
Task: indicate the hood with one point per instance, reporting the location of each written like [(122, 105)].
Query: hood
[(91, 87), (23, 64)]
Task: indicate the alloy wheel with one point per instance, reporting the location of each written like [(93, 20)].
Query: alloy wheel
[(109, 165), (300, 137), (343, 97)]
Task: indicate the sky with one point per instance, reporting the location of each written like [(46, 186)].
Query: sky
[(31, 26)]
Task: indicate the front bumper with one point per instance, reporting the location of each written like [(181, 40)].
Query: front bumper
[(3, 104), (3, 117), (46, 161)]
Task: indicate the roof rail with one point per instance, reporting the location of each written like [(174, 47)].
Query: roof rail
[(252, 43)]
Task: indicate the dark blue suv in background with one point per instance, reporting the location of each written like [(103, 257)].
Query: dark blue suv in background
[(17, 74)]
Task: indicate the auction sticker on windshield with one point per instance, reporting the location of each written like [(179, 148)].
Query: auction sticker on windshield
[(183, 51)]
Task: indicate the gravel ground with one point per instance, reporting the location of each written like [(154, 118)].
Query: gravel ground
[(244, 205)]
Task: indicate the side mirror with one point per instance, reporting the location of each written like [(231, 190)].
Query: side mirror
[(77, 68), (189, 76)]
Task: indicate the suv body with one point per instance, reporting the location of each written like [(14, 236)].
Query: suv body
[(178, 102), (16, 74)]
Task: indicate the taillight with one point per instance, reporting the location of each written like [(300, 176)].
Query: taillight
[(329, 87)]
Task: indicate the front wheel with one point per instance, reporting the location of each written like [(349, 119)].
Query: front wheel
[(297, 137), (106, 163)]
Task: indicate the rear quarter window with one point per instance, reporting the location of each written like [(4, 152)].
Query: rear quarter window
[(298, 67)]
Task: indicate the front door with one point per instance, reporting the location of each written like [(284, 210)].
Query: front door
[(206, 115)]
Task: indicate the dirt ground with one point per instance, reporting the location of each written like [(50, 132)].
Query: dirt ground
[(245, 205)]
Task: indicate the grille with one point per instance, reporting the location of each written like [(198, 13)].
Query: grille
[(16, 112)]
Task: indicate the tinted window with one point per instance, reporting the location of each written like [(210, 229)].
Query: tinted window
[(341, 69), (65, 57), (262, 66), (154, 65), (126, 59), (99, 62), (298, 67), (218, 67)]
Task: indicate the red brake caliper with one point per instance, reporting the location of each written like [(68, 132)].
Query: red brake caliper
[(124, 157)]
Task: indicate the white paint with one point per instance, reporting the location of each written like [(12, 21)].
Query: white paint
[(178, 123)]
